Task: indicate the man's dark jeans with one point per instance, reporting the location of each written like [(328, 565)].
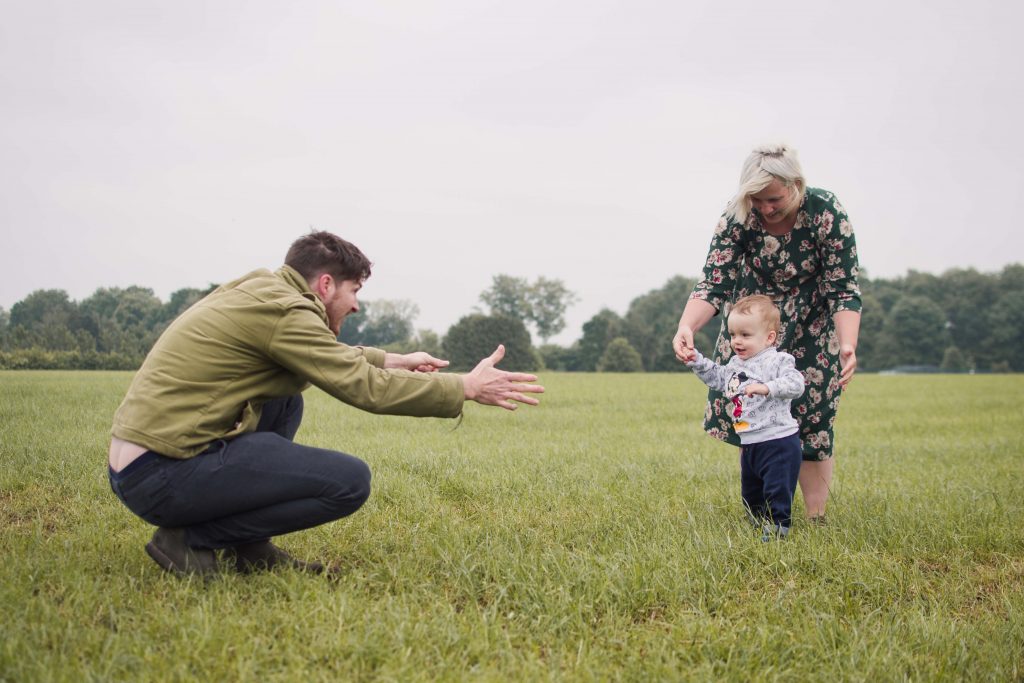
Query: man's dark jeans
[(248, 489)]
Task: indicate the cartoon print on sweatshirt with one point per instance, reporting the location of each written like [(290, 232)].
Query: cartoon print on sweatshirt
[(733, 393)]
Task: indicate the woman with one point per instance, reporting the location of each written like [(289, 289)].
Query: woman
[(795, 244)]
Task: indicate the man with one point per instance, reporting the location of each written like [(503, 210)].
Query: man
[(202, 443)]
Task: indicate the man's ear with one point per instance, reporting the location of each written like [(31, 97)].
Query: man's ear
[(322, 285)]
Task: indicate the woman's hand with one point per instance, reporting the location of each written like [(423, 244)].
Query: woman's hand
[(848, 363), (682, 344), (695, 315)]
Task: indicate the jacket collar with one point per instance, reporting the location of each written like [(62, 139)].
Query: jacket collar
[(295, 280)]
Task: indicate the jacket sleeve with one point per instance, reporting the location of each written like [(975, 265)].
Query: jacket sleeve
[(788, 382), (303, 344), (712, 374)]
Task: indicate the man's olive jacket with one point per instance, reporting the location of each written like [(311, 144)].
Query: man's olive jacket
[(260, 337)]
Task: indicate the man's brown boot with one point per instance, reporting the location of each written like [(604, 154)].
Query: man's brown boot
[(263, 555), (169, 550)]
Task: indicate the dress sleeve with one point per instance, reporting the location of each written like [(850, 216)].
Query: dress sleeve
[(722, 268), (838, 253)]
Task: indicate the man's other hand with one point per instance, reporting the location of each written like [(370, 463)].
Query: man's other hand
[(490, 386)]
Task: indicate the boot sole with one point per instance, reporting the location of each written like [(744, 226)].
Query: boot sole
[(168, 564), (165, 562)]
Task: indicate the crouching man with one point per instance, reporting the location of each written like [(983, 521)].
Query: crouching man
[(202, 444)]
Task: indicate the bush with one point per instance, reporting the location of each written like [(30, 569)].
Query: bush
[(559, 357), (476, 336), (35, 358), (620, 356), (953, 360)]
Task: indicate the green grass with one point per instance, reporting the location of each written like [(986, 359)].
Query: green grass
[(597, 537)]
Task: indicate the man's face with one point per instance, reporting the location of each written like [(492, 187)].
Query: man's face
[(340, 300)]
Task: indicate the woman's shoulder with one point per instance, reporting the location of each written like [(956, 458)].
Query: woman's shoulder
[(817, 200)]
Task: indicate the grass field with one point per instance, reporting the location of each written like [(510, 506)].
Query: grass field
[(597, 537)]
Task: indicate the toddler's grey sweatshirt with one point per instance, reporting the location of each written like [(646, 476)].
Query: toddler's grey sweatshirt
[(756, 418)]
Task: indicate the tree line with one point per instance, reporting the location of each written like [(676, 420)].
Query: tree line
[(962, 320)]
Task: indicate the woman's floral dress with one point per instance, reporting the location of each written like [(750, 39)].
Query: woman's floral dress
[(811, 273)]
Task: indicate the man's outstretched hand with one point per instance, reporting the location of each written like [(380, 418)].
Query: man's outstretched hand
[(490, 386), (418, 361)]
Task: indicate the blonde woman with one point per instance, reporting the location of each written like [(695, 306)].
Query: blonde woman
[(795, 244)]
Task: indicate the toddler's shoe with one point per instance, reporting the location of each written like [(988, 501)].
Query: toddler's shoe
[(771, 532)]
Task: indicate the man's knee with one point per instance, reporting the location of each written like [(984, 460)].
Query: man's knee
[(351, 486)]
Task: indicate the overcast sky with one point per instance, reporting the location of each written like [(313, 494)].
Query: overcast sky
[(177, 144)]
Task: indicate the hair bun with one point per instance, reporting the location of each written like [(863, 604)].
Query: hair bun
[(773, 150)]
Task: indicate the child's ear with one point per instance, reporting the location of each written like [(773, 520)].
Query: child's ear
[(773, 336)]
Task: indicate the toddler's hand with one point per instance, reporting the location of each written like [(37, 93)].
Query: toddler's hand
[(755, 389)]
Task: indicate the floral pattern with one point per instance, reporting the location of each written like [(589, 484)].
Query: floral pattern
[(811, 274)]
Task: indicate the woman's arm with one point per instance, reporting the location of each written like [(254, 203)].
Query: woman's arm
[(696, 314), (847, 330)]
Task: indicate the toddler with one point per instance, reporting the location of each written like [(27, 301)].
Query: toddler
[(760, 381)]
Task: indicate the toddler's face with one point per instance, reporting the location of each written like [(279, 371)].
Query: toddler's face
[(749, 334)]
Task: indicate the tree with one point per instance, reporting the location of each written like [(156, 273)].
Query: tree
[(47, 319), (914, 333), (872, 319), (476, 336), (1006, 325), (1011, 279), (549, 301), (953, 360), (560, 358), (181, 300), (620, 356), (5, 318), (966, 296), (424, 340), (138, 309), (381, 323), (508, 296), (597, 334), (651, 323), (352, 329), (542, 304), (390, 322), (44, 308)]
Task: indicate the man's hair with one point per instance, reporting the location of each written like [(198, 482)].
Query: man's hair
[(765, 164), (762, 306), (324, 252)]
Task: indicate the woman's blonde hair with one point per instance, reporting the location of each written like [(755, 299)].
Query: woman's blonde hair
[(765, 164)]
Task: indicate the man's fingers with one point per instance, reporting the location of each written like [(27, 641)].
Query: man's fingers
[(498, 354), (532, 388)]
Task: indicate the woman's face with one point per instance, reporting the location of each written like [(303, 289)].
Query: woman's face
[(774, 202)]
